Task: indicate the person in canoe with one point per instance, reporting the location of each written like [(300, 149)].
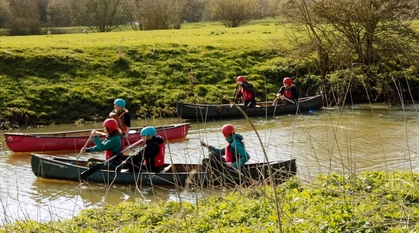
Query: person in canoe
[(112, 145), (246, 92), (121, 115), (151, 157), (287, 94), (234, 154)]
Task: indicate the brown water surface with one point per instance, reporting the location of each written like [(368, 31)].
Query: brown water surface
[(344, 142)]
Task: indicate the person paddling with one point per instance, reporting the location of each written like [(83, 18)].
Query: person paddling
[(151, 158), (234, 154), (287, 94), (246, 92), (121, 115), (112, 145)]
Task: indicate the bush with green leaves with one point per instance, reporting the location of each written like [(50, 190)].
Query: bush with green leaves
[(369, 202)]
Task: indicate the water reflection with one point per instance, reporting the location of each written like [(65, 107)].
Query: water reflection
[(92, 194), (345, 142)]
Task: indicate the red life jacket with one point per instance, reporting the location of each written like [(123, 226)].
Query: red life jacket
[(108, 154), (229, 156), (159, 159), (121, 123), (288, 94), (246, 95)]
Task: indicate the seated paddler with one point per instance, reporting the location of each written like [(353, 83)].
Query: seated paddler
[(112, 145), (234, 154), (151, 157)]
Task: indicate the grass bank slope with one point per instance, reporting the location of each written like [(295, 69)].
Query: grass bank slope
[(62, 78)]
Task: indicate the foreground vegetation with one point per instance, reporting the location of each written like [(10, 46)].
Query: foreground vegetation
[(369, 202)]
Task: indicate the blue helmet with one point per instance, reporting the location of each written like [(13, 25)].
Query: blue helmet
[(148, 131), (120, 103)]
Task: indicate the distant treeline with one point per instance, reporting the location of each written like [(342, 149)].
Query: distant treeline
[(32, 17)]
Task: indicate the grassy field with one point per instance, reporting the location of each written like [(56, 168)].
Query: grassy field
[(258, 34)]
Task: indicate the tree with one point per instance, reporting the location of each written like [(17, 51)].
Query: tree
[(160, 14), (5, 13), (194, 9), (25, 17), (268, 8), (129, 9), (374, 33), (42, 8), (60, 13), (235, 13), (99, 15)]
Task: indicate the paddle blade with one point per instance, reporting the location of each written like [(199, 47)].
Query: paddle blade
[(90, 171)]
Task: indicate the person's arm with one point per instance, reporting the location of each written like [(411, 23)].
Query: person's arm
[(150, 151), (238, 92), (218, 151), (294, 93), (127, 122), (213, 149), (244, 156), (248, 87), (105, 144), (112, 114), (280, 91)]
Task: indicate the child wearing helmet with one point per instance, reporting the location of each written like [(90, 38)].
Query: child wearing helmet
[(287, 94), (234, 154), (151, 158), (121, 115), (246, 92), (112, 145)]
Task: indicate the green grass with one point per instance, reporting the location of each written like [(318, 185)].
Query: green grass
[(215, 34), (64, 77), (49, 79), (370, 202)]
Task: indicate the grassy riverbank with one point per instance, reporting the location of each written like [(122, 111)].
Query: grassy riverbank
[(369, 202), (63, 78)]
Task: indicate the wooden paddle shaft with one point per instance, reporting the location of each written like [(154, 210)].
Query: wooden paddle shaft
[(85, 144)]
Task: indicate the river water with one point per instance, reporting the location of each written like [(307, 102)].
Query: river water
[(364, 137)]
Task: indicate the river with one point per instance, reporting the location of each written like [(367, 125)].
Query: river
[(364, 137)]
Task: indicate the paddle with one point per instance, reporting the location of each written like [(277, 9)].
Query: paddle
[(129, 144), (298, 105), (235, 93), (289, 100), (96, 167), (285, 98), (87, 142)]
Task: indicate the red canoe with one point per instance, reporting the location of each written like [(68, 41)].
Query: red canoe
[(75, 140)]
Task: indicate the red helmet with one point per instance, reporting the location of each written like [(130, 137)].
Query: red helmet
[(227, 130), (111, 124), (241, 79), (287, 81)]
